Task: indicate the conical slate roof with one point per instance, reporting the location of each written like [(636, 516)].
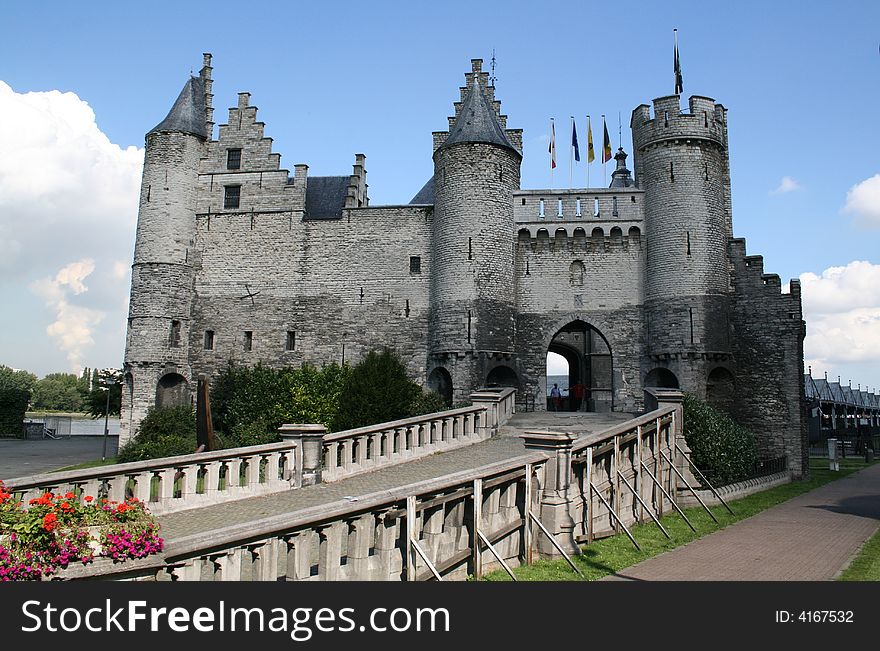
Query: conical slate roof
[(188, 113), (477, 122)]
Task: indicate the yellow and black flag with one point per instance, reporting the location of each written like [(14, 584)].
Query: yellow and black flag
[(606, 144), (679, 86), (591, 154)]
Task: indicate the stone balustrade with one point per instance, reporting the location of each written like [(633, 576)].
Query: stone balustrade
[(176, 483)]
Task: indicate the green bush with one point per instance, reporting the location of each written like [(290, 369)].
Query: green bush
[(427, 402), (164, 432), (15, 394), (722, 449), (377, 390)]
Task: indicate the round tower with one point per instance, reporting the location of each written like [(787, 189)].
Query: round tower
[(476, 171), (156, 366), (681, 162)]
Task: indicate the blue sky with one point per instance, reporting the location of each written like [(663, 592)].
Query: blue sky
[(801, 82)]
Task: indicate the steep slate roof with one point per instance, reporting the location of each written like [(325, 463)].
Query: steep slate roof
[(188, 113), (477, 122), (325, 196), (426, 194)]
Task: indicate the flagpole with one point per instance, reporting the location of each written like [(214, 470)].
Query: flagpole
[(589, 140), (675, 71), (604, 170), (552, 153), (571, 155)]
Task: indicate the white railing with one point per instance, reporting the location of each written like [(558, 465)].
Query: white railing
[(176, 483)]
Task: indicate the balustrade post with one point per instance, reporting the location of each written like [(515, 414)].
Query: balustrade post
[(661, 399), (555, 500), (496, 412), (310, 439)]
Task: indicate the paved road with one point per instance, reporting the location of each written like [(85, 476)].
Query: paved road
[(19, 458), (812, 537)]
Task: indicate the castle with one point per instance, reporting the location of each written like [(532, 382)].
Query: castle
[(637, 284)]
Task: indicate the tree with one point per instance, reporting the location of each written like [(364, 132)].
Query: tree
[(96, 400), (377, 390), (57, 392), (15, 394)]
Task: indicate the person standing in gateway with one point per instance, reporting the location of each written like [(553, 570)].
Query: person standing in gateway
[(555, 397)]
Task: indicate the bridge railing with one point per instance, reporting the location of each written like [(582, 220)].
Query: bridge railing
[(454, 526), (176, 483)]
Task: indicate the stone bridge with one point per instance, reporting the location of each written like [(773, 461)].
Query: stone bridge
[(442, 496)]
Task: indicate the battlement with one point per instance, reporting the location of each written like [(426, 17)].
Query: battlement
[(578, 205), (571, 238), (749, 275), (704, 120)]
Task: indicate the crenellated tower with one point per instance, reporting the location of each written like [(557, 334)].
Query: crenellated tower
[(682, 164), (156, 366), (476, 171)]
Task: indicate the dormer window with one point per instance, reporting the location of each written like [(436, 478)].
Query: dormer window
[(233, 159)]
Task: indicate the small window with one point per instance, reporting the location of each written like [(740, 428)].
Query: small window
[(523, 201), (232, 196), (174, 339), (290, 344), (415, 264), (559, 207), (248, 340), (541, 208), (577, 208), (209, 340), (233, 159), (614, 207)]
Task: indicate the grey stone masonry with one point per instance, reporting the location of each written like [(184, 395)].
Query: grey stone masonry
[(239, 260)]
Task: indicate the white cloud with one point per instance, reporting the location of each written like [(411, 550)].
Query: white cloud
[(842, 311), (74, 324), (863, 200), (787, 184), (66, 192)]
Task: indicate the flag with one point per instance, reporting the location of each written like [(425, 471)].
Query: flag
[(574, 141), (552, 145), (591, 155), (677, 68), (606, 145)]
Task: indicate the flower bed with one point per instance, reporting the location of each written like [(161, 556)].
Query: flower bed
[(58, 530)]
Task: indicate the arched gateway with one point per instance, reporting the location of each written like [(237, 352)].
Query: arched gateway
[(589, 364)]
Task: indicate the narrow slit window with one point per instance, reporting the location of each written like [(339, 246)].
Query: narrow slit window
[(577, 208), (541, 208), (174, 338), (233, 159), (248, 340), (671, 171), (559, 208), (290, 342), (595, 207), (209, 340), (614, 207), (688, 242)]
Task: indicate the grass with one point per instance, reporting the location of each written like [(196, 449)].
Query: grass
[(865, 566), (95, 463), (610, 555)]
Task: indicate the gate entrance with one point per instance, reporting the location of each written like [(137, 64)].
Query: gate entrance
[(589, 368)]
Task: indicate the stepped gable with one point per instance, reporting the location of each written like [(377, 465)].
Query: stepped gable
[(188, 113), (477, 121)]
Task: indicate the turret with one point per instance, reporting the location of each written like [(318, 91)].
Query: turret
[(476, 171), (157, 344), (681, 162)]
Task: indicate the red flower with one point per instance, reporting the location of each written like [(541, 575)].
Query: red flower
[(66, 506), (88, 498), (49, 521), (69, 496)]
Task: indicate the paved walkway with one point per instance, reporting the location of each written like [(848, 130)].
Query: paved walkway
[(505, 446), (812, 537), (21, 458)]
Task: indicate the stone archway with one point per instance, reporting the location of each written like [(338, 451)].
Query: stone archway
[(440, 381), (502, 376), (661, 378), (588, 354), (172, 390)]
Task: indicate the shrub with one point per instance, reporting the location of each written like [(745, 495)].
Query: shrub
[(377, 390), (164, 432), (427, 402), (15, 393), (722, 449)]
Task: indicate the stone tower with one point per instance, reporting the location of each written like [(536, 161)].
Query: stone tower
[(472, 295), (156, 367), (682, 164)]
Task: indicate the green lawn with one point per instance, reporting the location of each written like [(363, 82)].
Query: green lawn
[(88, 464), (865, 566), (612, 554)]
